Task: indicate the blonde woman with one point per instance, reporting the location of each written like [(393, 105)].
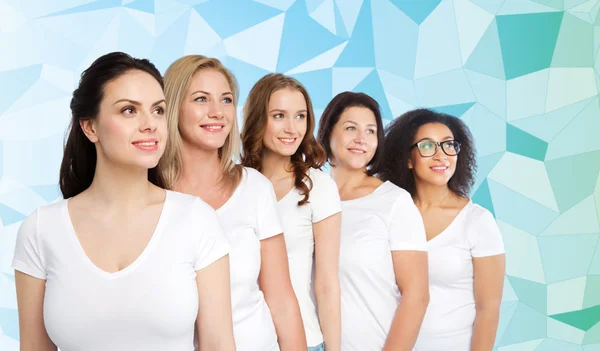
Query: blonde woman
[(203, 144), (278, 141)]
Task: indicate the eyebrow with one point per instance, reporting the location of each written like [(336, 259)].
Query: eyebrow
[(368, 125), (446, 138), (137, 103), (207, 93), (281, 110)]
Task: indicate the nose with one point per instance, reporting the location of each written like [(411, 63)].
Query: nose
[(148, 122), (440, 154), (215, 110), (361, 137), (289, 126)]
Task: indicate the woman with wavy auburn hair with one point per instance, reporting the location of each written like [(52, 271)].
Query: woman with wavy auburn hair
[(201, 96), (278, 141)]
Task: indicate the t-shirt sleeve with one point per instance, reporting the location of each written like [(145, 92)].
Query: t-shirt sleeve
[(212, 244), (28, 257), (268, 220), (407, 231), (485, 236), (324, 198)]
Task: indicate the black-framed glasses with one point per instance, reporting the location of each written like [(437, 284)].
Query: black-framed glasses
[(428, 148)]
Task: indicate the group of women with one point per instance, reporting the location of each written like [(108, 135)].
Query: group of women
[(179, 231)]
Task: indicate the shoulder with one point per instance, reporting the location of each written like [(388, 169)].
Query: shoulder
[(478, 215), (399, 196), (252, 179), (185, 203), (320, 178)]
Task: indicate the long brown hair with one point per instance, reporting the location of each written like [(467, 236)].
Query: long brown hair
[(309, 153), (78, 165), (177, 80)]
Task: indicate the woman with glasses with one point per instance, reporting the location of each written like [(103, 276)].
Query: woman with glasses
[(432, 156)]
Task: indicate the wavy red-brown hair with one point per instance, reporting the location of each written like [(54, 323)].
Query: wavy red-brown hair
[(309, 154)]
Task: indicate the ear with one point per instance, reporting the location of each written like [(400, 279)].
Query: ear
[(89, 129), (410, 165)]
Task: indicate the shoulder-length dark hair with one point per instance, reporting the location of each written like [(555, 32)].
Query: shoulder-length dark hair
[(340, 103), (309, 153), (400, 135), (79, 158)]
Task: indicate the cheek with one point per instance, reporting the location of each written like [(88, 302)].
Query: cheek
[(271, 130), (111, 128), (190, 113)]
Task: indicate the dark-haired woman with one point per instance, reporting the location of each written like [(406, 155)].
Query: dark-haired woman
[(432, 156), (383, 258), (121, 264), (278, 141)]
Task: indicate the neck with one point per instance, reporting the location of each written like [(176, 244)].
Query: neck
[(347, 178), (429, 195), (201, 168), (114, 185), (275, 166)]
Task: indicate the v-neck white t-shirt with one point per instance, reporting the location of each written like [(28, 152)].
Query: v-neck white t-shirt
[(249, 216), (150, 305), (448, 322), (372, 227), (323, 202)]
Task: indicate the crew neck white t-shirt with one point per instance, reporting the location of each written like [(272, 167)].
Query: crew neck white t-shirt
[(249, 216), (150, 305), (323, 202), (448, 323), (372, 227)]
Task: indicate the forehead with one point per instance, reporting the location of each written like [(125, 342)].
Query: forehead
[(209, 80), (435, 131), (134, 85), (287, 97), (358, 114)]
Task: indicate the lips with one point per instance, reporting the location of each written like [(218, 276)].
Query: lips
[(357, 151), (287, 141), (146, 144), (439, 168), (212, 127)]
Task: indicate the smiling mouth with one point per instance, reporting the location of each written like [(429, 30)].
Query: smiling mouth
[(212, 127), (287, 141), (357, 151), (439, 168), (147, 143)]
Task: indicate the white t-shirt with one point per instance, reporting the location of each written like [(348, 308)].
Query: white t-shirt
[(372, 227), (448, 323), (324, 201), (250, 215), (150, 305)]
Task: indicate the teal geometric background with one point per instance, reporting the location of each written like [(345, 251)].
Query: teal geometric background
[(523, 74)]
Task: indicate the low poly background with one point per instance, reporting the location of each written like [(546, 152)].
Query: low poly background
[(523, 74)]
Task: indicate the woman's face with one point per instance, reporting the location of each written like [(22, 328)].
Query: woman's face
[(353, 141), (286, 122), (429, 162), (131, 128), (207, 112)]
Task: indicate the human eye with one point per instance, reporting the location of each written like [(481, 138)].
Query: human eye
[(129, 110), (201, 99)]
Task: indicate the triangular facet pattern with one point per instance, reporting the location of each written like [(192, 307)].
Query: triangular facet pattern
[(523, 75)]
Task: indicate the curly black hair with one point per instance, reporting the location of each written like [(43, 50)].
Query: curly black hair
[(399, 137), (331, 115)]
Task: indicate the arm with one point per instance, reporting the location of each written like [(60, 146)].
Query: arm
[(275, 283), (214, 322), (410, 268), (488, 281), (30, 301), (327, 284)]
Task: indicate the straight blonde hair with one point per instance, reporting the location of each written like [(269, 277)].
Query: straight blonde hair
[(177, 80)]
